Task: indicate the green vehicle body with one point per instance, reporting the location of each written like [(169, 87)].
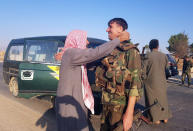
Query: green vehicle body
[(29, 67), (44, 80)]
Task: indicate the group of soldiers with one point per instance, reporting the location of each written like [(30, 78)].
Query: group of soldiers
[(122, 75)]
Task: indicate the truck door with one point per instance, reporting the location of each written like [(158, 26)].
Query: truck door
[(40, 71)]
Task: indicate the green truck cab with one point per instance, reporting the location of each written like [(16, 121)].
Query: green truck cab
[(30, 68)]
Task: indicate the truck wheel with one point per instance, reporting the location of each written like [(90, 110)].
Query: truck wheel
[(13, 86)]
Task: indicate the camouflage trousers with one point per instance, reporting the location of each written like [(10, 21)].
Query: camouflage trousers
[(111, 116), (188, 74)]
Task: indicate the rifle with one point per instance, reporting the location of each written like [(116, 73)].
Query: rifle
[(139, 113), (137, 119)]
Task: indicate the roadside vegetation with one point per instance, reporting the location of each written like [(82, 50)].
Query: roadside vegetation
[(179, 47), (2, 53)]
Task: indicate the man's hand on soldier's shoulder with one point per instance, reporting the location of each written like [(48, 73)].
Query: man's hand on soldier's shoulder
[(124, 36)]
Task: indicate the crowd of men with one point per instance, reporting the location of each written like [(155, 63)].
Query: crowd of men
[(124, 77)]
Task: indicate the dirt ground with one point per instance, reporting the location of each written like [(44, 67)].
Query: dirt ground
[(15, 116)]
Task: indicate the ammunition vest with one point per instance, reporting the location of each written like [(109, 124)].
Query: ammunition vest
[(113, 75)]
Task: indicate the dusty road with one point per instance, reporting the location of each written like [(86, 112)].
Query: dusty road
[(15, 116), (19, 114), (180, 100)]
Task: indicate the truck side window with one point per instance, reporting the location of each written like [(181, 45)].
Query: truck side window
[(16, 53), (35, 54), (41, 51)]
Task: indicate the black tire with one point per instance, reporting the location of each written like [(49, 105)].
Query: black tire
[(13, 86)]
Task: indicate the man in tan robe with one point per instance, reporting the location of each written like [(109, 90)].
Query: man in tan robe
[(155, 83)]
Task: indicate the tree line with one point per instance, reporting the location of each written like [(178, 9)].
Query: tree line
[(178, 45)]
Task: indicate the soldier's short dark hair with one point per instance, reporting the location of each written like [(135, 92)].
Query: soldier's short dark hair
[(119, 21), (153, 44)]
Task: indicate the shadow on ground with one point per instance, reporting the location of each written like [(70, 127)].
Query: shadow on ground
[(48, 120)]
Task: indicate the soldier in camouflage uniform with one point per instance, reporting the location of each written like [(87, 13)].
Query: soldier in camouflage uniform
[(119, 77), (187, 65)]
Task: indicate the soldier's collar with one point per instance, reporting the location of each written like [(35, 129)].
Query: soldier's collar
[(126, 41), (126, 45)]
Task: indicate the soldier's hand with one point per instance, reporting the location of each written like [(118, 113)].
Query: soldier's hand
[(127, 121), (124, 36)]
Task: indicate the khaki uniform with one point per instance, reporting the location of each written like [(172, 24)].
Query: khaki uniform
[(119, 77)]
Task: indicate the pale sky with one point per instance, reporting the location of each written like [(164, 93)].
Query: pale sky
[(147, 19)]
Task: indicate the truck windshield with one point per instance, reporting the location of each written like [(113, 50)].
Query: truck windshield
[(42, 51)]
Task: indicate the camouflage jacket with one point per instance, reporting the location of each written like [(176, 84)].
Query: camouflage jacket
[(120, 75), (187, 65)]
